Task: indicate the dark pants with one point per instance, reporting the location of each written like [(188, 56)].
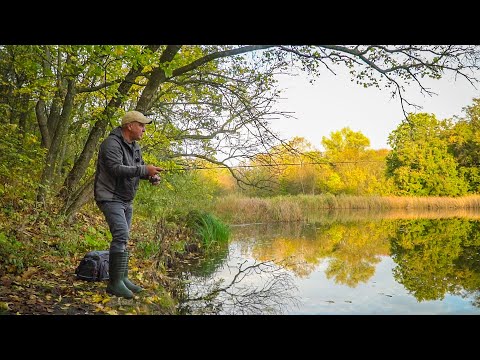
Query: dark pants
[(119, 218)]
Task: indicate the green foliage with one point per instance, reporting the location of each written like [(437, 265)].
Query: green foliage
[(471, 174), (464, 143), (346, 167), (345, 144), (20, 156), (420, 163), (188, 95), (82, 239), (11, 253), (208, 228), (434, 257), (95, 239), (178, 192), (358, 170), (149, 249)]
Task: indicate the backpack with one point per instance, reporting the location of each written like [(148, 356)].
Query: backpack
[(93, 266)]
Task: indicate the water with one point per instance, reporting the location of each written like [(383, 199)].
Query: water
[(344, 264)]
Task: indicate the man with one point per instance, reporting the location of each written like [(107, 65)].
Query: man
[(120, 167)]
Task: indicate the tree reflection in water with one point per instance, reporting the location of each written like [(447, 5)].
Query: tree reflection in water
[(431, 258), (243, 294), (438, 257)]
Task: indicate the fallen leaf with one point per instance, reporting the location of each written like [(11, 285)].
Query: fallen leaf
[(29, 272), (97, 298)]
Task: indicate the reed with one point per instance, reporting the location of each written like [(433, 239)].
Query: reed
[(237, 209)]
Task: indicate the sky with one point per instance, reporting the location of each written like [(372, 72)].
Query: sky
[(333, 102)]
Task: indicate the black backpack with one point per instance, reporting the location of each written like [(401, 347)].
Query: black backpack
[(93, 266)]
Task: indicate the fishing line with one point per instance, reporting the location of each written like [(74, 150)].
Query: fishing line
[(332, 163)]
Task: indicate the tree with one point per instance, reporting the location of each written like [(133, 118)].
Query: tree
[(212, 102), (360, 169), (298, 178), (464, 142), (420, 163), (292, 167)]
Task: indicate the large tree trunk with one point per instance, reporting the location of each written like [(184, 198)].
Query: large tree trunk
[(81, 197), (59, 172), (58, 100), (40, 106), (156, 78), (42, 123), (53, 151)]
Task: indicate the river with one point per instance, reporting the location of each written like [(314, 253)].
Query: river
[(344, 263)]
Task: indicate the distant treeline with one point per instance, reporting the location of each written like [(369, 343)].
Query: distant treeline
[(428, 157)]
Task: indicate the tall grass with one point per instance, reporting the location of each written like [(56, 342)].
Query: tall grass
[(209, 229), (239, 210)]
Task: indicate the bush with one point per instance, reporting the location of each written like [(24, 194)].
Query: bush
[(12, 255), (19, 171), (177, 193)]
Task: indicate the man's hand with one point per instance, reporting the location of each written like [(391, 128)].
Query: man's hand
[(153, 170), (154, 180)]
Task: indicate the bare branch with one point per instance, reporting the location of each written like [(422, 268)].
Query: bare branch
[(272, 296)]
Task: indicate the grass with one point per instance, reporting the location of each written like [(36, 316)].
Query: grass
[(209, 229), (240, 210)]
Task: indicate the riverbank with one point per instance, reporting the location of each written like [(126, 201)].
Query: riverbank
[(54, 289), (41, 252)]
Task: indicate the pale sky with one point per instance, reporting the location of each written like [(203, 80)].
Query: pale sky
[(334, 101)]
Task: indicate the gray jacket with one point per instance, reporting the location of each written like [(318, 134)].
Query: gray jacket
[(119, 168)]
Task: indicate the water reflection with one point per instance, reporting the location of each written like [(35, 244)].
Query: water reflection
[(436, 257), (236, 293), (350, 264), (353, 249), (211, 263)]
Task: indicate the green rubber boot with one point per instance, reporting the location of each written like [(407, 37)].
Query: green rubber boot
[(118, 263), (131, 286)]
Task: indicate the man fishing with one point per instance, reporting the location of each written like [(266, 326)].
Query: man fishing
[(120, 167)]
